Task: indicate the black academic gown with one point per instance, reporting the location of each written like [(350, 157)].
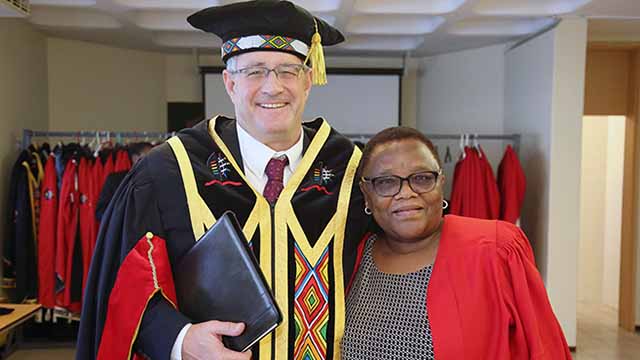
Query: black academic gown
[(19, 255), (108, 190), (306, 244)]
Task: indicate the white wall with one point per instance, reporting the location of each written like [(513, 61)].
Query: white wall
[(541, 103), (409, 104), (592, 212), (462, 92), (528, 102), (613, 211), (23, 93), (97, 87), (564, 190), (183, 80)]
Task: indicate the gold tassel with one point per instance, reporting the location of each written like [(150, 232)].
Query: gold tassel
[(316, 55)]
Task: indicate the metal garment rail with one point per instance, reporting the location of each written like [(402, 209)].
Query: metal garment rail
[(27, 135), (513, 138)]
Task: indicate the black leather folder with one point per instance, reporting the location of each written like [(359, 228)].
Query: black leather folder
[(220, 279)]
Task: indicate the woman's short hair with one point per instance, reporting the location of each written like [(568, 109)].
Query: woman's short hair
[(394, 134)]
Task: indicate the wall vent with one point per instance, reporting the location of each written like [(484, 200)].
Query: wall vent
[(14, 8)]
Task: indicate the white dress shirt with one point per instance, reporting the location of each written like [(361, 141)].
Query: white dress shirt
[(255, 156)]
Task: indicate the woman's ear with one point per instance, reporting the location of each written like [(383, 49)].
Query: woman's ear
[(365, 193)]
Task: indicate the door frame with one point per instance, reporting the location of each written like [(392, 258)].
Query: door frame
[(630, 182)]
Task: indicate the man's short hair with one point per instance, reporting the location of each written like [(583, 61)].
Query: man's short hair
[(231, 63)]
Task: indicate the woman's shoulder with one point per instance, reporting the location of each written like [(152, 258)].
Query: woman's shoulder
[(464, 234)]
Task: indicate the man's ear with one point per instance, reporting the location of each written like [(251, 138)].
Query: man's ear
[(308, 81), (229, 83)]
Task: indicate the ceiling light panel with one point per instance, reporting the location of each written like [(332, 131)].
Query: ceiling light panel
[(407, 6), (329, 19), (499, 27), (528, 7), (187, 40), (72, 18), (382, 43), (393, 24), (163, 20), (64, 2), (319, 5), (168, 4)]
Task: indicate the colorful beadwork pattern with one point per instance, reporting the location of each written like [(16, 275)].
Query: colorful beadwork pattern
[(311, 307), (264, 42)]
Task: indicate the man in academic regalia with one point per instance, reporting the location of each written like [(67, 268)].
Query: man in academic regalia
[(291, 185)]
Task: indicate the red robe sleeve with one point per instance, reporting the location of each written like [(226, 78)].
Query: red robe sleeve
[(535, 331), (143, 273), (512, 184)]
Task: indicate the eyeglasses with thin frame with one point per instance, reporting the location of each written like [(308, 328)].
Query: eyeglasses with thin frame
[(284, 72), (391, 185)]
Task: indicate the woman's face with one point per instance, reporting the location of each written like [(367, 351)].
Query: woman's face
[(406, 216)]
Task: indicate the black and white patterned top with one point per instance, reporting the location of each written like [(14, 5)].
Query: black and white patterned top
[(387, 314)]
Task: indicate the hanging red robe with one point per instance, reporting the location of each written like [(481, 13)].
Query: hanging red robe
[(461, 191), (123, 163), (95, 194), (47, 235), (475, 192), (86, 215), (107, 169), (97, 178), (67, 231), (512, 184), (490, 189)]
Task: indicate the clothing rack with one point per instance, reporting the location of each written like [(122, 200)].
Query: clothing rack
[(27, 135), (514, 138)]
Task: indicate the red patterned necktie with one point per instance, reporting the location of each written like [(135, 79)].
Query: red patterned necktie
[(275, 175)]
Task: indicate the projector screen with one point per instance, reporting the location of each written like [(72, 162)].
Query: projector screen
[(353, 103)]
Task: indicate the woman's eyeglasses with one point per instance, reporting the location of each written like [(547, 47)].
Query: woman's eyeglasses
[(390, 185)]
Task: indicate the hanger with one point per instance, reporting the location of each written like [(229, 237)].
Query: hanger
[(447, 155), (476, 145)]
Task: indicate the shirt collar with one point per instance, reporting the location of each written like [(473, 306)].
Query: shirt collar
[(256, 155)]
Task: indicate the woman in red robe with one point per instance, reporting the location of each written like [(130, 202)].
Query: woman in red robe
[(429, 287)]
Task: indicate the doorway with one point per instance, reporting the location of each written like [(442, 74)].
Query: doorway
[(601, 211)]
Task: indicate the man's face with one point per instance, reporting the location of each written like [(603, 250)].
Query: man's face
[(269, 108)]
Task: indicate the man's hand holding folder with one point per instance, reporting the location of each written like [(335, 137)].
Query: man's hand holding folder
[(200, 344), (220, 287)]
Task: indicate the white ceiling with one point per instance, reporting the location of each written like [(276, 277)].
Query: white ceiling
[(422, 27)]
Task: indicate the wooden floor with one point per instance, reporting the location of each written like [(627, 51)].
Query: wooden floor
[(598, 338)]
